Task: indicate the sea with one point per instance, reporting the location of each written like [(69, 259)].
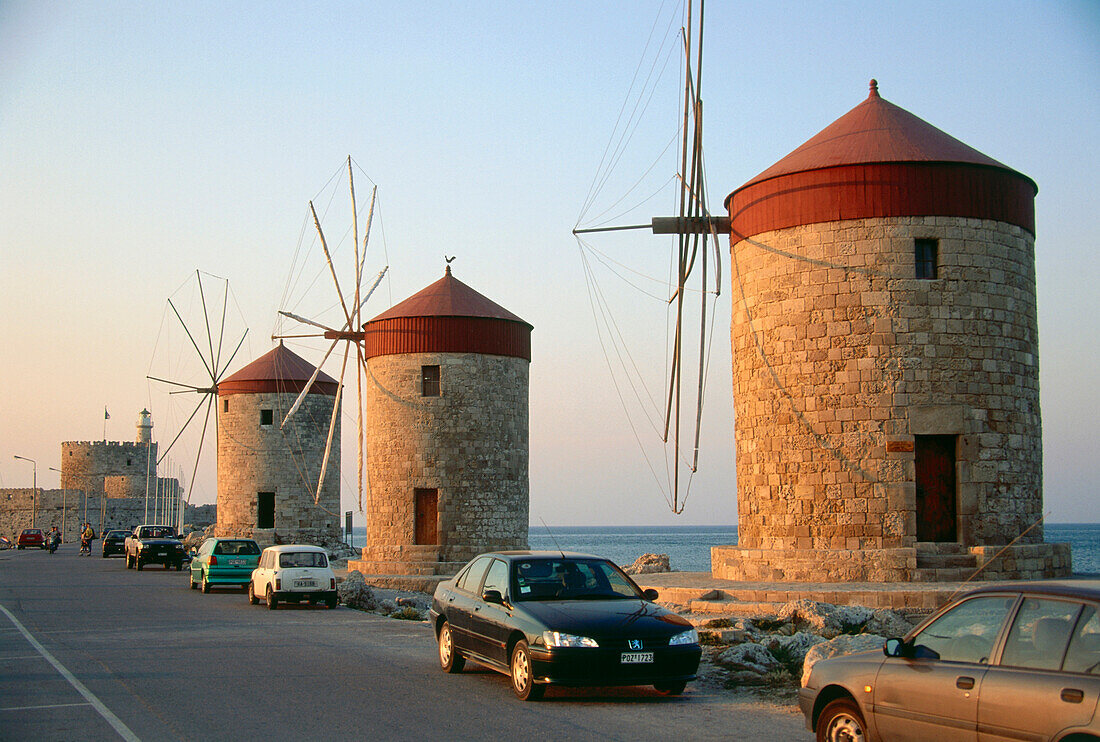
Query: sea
[(688, 547)]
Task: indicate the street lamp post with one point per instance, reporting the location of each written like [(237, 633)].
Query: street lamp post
[(64, 497), (34, 491)]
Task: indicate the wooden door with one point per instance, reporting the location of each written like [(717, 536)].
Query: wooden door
[(935, 469), (427, 516), (265, 509)]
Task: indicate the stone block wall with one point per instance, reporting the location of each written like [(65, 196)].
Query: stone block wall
[(470, 443), (85, 464), (842, 356), (254, 458), (68, 509)]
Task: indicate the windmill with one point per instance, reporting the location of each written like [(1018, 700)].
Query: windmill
[(207, 362), (350, 333), (694, 225)]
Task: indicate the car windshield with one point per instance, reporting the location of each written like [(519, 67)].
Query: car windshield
[(157, 532), (116, 534), (237, 547), (32, 532), (302, 559), (570, 579)]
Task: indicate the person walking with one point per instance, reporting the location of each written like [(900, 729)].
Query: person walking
[(86, 536)]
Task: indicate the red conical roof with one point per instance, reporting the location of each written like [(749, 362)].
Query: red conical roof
[(281, 370), (876, 131), (448, 297), (447, 317), (879, 160)]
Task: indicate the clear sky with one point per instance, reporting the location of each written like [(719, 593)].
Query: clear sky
[(142, 141)]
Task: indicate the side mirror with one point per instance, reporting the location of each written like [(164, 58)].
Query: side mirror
[(893, 647), (493, 596), (650, 594)]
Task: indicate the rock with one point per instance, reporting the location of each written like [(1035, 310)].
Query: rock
[(825, 619), (791, 650), (749, 664), (886, 622), (419, 602), (843, 644), (648, 564), (338, 551), (748, 657), (355, 593)]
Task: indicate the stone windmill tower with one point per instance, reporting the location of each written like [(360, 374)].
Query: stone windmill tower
[(886, 366), (267, 469), (447, 431)]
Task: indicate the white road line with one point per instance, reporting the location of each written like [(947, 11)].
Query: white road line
[(114, 721), (38, 708)]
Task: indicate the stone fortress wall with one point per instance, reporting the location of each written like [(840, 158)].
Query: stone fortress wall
[(68, 509), (254, 458), (470, 444), (842, 357), (85, 465)]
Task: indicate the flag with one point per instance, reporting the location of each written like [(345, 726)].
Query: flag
[(106, 415)]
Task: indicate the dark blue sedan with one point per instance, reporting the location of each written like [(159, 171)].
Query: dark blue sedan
[(553, 618)]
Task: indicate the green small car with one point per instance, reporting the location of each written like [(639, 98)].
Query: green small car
[(224, 561)]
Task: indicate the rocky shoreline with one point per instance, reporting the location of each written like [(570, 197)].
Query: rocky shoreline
[(762, 654)]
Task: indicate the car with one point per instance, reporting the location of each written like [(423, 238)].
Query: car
[(560, 618), (154, 544), (1007, 661), (293, 573), (114, 542), (224, 561), (31, 537)]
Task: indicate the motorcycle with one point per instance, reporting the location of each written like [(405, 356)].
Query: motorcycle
[(52, 542)]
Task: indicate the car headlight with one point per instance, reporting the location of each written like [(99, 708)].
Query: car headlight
[(691, 636), (558, 639)]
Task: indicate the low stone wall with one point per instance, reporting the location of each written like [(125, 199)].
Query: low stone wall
[(1023, 561), (813, 565)]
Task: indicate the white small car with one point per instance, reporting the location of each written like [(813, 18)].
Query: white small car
[(293, 573)]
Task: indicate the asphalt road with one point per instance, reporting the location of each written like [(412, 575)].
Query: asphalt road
[(92, 651)]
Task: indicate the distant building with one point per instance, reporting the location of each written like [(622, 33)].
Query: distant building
[(268, 471), (886, 361)]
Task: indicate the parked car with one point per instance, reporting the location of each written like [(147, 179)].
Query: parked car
[(114, 542), (224, 561), (561, 618), (1001, 662), (31, 537), (292, 573)]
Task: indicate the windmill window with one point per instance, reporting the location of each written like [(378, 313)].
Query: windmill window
[(225, 405), (267, 417), (926, 258), (129, 462), (429, 381)]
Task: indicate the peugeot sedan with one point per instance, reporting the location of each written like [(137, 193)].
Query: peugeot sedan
[(1004, 662), (545, 618)]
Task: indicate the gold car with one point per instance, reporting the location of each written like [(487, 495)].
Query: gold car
[(1004, 662)]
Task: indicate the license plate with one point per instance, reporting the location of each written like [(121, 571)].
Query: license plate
[(637, 658), (236, 562), (311, 583)]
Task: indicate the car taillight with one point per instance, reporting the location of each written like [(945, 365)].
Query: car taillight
[(213, 560), (278, 584), (332, 583)]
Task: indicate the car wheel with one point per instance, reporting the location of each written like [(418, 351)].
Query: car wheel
[(191, 580), (179, 566), (671, 689), (272, 601), (449, 658), (523, 682), (331, 602), (252, 599), (205, 584), (841, 721)]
